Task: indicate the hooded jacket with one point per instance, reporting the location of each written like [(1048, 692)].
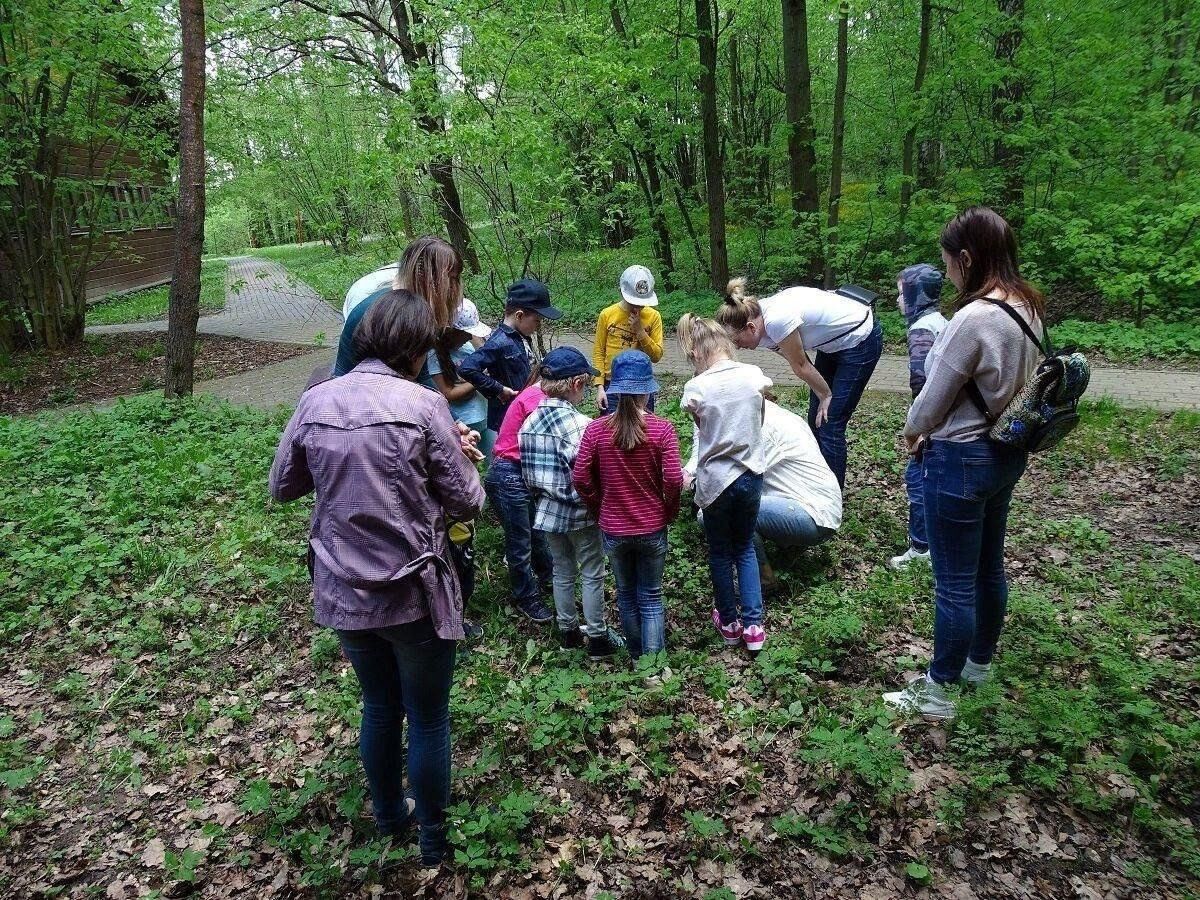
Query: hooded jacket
[(921, 287)]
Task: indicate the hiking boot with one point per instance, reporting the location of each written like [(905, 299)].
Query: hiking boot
[(604, 646), (570, 638), (755, 637), (923, 695), (731, 634), (473, 631), (533, 609), (975, 674), (912, 554)]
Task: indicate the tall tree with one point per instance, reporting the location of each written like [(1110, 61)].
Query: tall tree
[(1007, 111), (714, 168), (839, 137), (184, 301), (907, 163), (802, 153)]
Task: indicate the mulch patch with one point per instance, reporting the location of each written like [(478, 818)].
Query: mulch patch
[(110, 365)]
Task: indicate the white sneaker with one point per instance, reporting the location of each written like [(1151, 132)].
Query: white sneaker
[(975, 674), (923, 695), (910, 555)]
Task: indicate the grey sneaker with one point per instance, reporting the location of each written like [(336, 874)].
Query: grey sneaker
[(896, 563), (923, 695), (975, 674)]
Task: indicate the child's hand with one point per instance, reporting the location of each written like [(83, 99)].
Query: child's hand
[(636, 326), (507, 394), (689, 481), (467, 441), (601, 398)]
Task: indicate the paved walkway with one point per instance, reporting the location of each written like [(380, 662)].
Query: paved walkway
[(263, 302)]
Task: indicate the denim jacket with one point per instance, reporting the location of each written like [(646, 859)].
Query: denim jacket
[(504, 360)]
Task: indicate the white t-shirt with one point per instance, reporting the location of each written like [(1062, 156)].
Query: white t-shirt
[(727, 404), (820, 315), (367, 285)]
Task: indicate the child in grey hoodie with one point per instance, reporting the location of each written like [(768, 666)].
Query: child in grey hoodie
[(920, 289)]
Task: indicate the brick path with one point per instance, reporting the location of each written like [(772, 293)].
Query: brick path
[(263, 302), (266, 303)]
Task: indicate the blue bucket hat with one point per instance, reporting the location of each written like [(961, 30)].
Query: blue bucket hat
[(632, 373)]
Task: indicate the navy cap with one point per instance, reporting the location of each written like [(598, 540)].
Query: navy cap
[(531, 294), (565, 362)]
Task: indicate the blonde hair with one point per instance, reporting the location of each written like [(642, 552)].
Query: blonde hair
[(703, 341), (558, 388), (738, 307)]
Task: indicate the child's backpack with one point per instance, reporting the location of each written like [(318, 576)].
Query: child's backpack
[(1045, 410)]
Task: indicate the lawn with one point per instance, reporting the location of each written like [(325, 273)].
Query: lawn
[(171, 721), (151, 304)]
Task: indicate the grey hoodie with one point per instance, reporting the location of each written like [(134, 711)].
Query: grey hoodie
[(921, 287)]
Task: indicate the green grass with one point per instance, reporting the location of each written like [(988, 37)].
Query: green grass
[(155, 622), (151, 304)]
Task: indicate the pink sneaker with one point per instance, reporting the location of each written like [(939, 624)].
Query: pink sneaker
[(755, 637), (731, 633)]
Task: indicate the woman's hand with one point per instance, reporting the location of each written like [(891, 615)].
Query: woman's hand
[(915, 445), (467, 441), (823, 410)]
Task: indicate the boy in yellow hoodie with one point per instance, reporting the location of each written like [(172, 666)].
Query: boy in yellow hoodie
[(632, 324)]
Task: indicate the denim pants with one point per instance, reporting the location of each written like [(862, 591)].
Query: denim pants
[(525, 549), (847, 373), (729, 527), (914, 484), (968, 488), (578, 555), (637, 564), (788, 524), (405, 670)]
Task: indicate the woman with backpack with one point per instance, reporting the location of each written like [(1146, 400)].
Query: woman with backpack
[(845, 335), (982, 359)]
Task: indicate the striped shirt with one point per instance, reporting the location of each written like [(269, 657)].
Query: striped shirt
[(549, 441), (633, 491)]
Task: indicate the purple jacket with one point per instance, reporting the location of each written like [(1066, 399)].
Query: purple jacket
[(383, 455)]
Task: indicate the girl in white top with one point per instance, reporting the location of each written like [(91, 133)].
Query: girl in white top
[(843, 332), (726, 401)]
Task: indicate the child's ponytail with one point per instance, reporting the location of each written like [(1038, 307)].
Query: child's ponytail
[(703, 341), (629, 421)]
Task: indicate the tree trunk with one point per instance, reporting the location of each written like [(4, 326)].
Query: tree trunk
[(1006, 111), (714, 168), (910, 136), (839, 132), (184, 299), (646, 167), (450, 206), (617, 230), (802, 154)]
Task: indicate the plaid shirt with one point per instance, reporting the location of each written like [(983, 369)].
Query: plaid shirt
[(549, 443)]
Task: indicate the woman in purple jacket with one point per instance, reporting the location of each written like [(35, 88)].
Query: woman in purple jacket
[(385, 460)]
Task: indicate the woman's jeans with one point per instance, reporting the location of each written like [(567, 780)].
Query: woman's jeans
[(578, 555), (968, 488), (637, 564), (405, 670), (788, 524), (525, 549), (847, 373), (729, 526), (914, 484)]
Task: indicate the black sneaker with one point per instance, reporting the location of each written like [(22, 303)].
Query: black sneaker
[(604, 646), (571, 639), (534, 610), (472, 630)]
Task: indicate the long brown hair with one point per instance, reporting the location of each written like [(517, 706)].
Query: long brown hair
[(433, 269), (398, 330), (629, 421), (992, 246)]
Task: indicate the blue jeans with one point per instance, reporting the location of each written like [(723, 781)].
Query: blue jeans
[(525, 550), (847, 373), (968, 488), (405, 670), (914, 484), (729, 527), (637, 563), (788, 524)]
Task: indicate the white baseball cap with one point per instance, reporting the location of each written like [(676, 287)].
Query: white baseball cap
[(637, 287), (468, 320)]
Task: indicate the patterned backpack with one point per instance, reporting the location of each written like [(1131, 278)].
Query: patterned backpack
[(1045, 410)]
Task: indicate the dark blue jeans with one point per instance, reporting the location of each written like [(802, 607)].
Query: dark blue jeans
[(637, 563), (525, 550), (847, 373), (405, 670), (968, 488), (914, 483), (729, 527)]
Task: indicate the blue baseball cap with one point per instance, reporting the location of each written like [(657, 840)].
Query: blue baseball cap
[(565, 362), (632, 373), (531, 294)]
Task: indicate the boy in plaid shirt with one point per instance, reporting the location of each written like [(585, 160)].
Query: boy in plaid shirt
[(549, 442)]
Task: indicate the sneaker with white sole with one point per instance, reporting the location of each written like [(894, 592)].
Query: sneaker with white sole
[(912, 554), (923, 695), (975, 674), (755, 637), (731, 634)]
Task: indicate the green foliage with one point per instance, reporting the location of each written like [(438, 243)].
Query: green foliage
[(151, 304)]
